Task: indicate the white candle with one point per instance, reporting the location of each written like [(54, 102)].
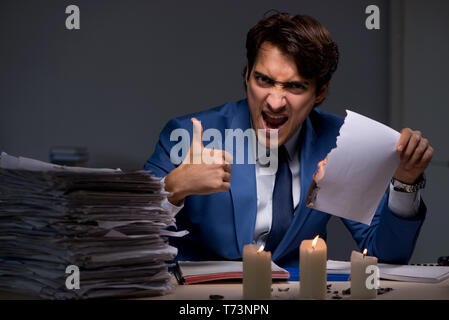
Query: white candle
[(312, 269), (359, 264), (256, 272)]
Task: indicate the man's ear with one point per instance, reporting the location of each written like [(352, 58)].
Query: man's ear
[(246, 76), (322, 94)]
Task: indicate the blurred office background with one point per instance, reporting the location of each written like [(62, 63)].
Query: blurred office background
[(112, 85)]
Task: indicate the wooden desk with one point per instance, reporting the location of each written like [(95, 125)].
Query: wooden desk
[(233, 291)]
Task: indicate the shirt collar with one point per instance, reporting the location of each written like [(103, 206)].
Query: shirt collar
[(292, 144)]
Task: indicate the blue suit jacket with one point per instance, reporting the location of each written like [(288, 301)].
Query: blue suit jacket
[(220, 224)]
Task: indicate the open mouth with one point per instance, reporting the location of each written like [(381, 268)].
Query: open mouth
[(274, 121)]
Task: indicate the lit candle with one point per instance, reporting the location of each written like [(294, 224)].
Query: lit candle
[(359, 275), (312, 269), (256, 272)]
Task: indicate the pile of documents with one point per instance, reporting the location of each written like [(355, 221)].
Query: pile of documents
[(107, 224)]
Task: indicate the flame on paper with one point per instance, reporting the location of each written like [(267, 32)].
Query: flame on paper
[(319, 174), (313, 190)]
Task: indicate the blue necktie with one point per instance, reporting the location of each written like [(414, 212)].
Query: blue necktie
[(282, 201)]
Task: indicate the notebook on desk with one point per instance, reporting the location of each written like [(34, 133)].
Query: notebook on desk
[(410, 273), (188, 272)]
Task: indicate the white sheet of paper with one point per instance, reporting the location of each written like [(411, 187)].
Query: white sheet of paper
[(22, 163), (411, 273), (358, 170)]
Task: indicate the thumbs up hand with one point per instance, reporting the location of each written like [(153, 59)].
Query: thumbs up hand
[(203, 171), (196, 147)]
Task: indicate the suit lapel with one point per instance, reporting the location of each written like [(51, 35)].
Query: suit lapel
[(243, 183)]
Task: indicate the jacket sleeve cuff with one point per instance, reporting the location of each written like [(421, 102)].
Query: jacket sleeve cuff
[(170, 206)]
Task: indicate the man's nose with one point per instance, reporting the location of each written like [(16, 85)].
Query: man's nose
[(276, 99)]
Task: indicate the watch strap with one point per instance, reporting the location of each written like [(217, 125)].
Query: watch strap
[(404, 187)]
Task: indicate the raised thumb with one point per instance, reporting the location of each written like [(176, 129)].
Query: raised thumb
[(197, 141)]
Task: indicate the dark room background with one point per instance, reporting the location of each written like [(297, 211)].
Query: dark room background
[(113, 84)]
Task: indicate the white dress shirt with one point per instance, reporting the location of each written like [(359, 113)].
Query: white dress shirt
[(402, 204), (265, 180)]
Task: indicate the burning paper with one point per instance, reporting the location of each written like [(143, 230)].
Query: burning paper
[(352, 179)]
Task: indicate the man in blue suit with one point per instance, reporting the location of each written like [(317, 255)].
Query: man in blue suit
[(291, 60)]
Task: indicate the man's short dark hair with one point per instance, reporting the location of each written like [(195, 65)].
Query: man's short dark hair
[(301, 37)]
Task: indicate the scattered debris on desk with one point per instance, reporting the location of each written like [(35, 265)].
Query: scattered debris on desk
[(346, 291), (337, 297), (283, 289), (379, 291), (216, 297), (383, 290)]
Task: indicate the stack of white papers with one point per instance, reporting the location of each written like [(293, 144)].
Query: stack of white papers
[(410, 273), (107, 223)]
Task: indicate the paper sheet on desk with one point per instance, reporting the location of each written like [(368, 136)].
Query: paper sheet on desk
[(410, 273), (356, 172)]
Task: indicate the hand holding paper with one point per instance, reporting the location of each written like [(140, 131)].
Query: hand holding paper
[(353, 179), (415, 157)]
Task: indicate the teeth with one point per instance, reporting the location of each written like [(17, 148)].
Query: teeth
[(276, 117), (274, 121)]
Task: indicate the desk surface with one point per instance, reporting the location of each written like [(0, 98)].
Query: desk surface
[(233, 291)]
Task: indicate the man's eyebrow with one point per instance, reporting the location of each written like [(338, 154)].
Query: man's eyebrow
[(288, 83), (297, 83), (257, 73)]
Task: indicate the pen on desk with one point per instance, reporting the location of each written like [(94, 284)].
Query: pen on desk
[(178, 274)]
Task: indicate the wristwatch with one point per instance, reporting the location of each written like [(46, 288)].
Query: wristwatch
[(403, 187)]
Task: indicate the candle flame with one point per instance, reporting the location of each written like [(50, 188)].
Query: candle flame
[(261, 248), (319, 174), (315, 241), (365, 252)]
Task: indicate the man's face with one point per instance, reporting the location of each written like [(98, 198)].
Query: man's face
[(278, 97)]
